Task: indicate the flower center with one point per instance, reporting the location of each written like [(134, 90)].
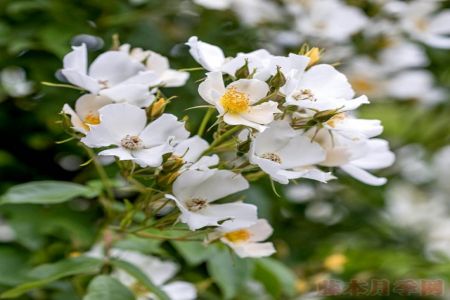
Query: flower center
[(92, 119), (234, 102), (132, 142), (272, 156), (196, 204), (304, 94), (362, 85), (238, 236)]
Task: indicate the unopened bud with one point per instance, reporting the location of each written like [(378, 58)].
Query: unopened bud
[(157, 108), (277, 80), (165, 180), (244, 147), (174, 163), (243, 72), (314, 56)]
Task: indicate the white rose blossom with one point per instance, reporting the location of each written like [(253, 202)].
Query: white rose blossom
[(248, 241), (238, 102), (113, 74), (159, 64), (124, 126), (285, 153), (195, 190)]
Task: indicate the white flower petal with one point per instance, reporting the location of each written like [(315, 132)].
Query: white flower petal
[(208, 56), (235, 119), (113, 67), (81, 80), (151, 157), (212, 88), (209, 185), (76, 60), (160, 130), (77, 124), (180, 290), (117, 121), (362, 175), (121, 153)]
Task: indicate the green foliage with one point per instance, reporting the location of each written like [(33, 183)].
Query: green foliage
[(107, 288), (46, 192), (45, 274)]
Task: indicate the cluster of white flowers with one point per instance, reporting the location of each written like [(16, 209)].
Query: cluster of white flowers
[(286, 117), (391, 30)]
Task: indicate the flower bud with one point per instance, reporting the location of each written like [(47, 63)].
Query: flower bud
[(244, 147), (314, 56), (92, 42), (174, 163), (278, 80), (165, 180), (157, 108), (243, 72)]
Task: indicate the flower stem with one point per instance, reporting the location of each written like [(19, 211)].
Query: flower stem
[(205, 120), (222, 138)]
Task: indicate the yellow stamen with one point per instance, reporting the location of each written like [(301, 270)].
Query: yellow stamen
[(92, 119), (238, 236), (235, 102)]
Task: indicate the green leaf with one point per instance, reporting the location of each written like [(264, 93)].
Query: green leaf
[(46, 192), (193, 252), (228, 271), (48, 273), (12, 265), (276, 277), (107, 288), (141, 277), (144, 245)]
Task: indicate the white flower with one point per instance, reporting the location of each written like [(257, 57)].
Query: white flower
[(124, 126), (237, 102), (158, 271), (329, 20), (159, 64), (321, 88), (86, 111), (208, 56), (194, 191), (248, 241), (418, 18), (191, 151), (285, 154), (113, 74), (260, 62), (355, 157)]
